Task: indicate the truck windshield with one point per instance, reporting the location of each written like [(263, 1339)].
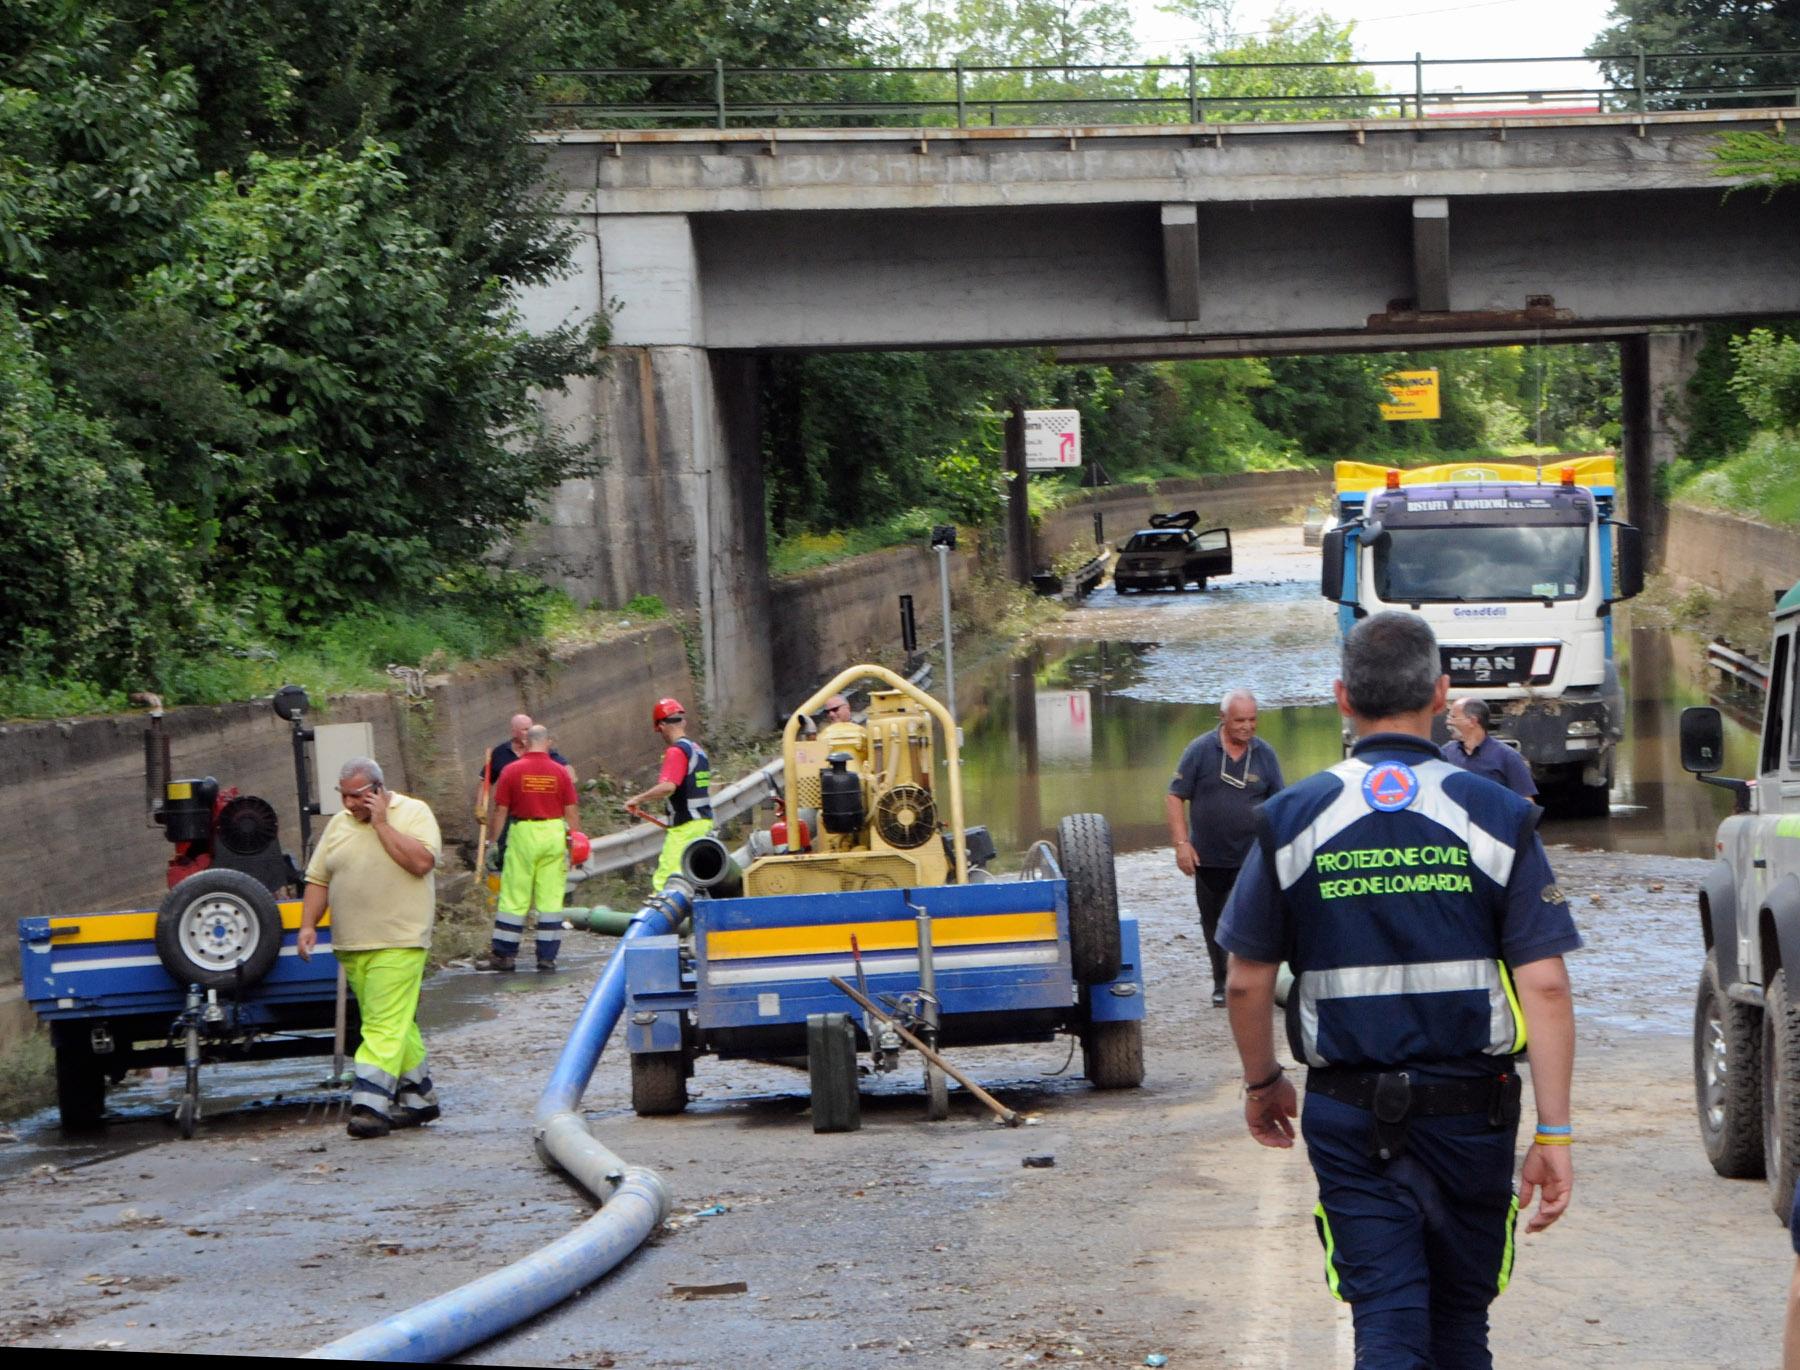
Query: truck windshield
[(1417, 565)]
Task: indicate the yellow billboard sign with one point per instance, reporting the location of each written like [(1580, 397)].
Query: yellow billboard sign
[(1415, 395)]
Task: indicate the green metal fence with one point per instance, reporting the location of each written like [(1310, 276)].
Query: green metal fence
[(1192, 92)]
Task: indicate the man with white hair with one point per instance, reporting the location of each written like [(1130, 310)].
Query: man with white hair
[(1222, 778), (374, 866)]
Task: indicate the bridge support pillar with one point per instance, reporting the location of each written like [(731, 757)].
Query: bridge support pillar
[(676, 508), (1431, 254), (1654, 369)]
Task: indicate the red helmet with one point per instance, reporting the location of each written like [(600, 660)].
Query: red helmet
[(665, 710), (579, 848)]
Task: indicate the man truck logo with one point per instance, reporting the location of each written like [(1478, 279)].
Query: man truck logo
[(1390, 785), (1486, 665)]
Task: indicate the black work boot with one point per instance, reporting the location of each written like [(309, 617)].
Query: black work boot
[(496, 962), (416, 1117), (365, 1122), (1218, 994)]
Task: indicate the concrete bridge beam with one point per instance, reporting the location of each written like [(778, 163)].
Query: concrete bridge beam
[(1654, 370)]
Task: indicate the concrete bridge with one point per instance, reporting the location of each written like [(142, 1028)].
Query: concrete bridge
[(708, 248)]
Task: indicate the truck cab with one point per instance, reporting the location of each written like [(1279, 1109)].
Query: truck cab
[(1746, 1021), (1516, 568)]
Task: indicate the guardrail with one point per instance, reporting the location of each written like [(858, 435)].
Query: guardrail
[(968, 95), (1722, 657)]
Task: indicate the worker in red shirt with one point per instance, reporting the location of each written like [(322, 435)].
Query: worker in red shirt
[(536, 793), (685, 780)]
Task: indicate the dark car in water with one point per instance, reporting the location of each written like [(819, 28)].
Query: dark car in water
[(1169, 554)]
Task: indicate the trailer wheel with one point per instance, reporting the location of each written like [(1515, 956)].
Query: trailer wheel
[(1084, 843), (1781, 1093), (831, 1067), (1112, 1054), (1728, 1078), (658, 1083), (80, 1077), (218, 929)]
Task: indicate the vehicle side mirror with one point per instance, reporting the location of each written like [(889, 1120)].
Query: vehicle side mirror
[(1331, 565), (1702, 740), (1628, 556)]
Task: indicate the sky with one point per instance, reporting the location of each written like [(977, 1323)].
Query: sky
[(1388, 30)]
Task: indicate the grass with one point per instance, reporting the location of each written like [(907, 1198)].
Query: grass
[(804, 551), (27, 1076), (1762, 482), (228, 660)]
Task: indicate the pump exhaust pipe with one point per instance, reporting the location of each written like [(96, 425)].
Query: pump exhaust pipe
[(713, 868)]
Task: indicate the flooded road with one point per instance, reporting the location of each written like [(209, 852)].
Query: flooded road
[(1096, 717)]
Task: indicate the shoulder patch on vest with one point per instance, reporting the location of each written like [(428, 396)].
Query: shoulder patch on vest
[(1390, 785)]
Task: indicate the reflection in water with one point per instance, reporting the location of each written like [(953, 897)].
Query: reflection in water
[(1073, 726)]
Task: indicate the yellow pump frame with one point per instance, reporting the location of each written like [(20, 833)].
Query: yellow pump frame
[(952, 749)]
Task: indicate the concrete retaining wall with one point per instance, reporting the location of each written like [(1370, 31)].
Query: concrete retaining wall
[(1724, 552), (835, 616), (73, 832), (1250, 499)]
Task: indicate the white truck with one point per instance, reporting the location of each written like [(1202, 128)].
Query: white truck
[(1516, 568), (1747, 1011)]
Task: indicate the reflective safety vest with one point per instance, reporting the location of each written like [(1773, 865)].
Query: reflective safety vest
[(693, 796), (1394, 865)]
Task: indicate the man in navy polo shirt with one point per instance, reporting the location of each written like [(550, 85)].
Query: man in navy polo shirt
[(1426, 934), (1473, 750)]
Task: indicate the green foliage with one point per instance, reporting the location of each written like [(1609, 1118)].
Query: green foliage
[(1767, 380), (1707, 30), (646, 607), (258, 359), (392, 415), (1767, 161), (1257, 86), (1762, 482)]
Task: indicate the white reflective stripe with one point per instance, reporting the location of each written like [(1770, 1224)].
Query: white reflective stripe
[(1427, 977), (907, 965), (1491, 856), (1292, 860)]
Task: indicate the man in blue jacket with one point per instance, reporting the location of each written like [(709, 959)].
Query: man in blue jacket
[(1426, 933)]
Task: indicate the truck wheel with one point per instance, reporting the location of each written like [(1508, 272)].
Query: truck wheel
[(80, 1077), (658, 1083), (1781, 1094), (1112, 1054), (218, 929), (1589, 801), (1728, 1078), (831, 1068), (1084, 844)]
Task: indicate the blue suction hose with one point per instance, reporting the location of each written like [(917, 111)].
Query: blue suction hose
[(633, 1201)]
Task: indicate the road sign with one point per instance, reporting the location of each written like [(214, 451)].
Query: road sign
[(1052, 439), (1415, 395)]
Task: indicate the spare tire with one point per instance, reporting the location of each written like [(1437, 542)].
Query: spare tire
[(1084, 844), (218, 929)]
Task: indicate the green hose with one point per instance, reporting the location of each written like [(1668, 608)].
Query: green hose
[(601, 919)]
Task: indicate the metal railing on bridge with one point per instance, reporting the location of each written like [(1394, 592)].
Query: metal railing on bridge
[(1191, 92)]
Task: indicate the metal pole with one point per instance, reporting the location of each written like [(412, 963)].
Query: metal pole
[(719, 88), (1642, 94), (949, 632), (962, 113), (1193, 93), (1419, 84)]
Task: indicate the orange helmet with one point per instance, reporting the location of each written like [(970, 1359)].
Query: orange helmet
[(665, 710)]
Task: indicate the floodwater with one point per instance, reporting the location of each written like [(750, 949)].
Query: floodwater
[(1096, 719)]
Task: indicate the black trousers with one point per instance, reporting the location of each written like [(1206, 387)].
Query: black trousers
[(1212, 886)]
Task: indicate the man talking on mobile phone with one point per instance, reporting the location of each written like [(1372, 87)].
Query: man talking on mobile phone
[(375, 866)]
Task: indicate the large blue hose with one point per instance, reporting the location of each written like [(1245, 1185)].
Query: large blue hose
[(634, 1201)]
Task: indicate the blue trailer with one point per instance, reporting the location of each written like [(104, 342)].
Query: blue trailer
[(213, 974), (885, 897)]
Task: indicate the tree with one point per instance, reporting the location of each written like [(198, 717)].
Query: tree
[(1760, 28), (1259, 81)]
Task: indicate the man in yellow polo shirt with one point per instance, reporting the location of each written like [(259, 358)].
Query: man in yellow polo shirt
[(374, 867)]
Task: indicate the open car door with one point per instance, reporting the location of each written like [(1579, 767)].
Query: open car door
[(1212, 552)]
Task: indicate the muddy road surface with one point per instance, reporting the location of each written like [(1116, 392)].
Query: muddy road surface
[(1160, 1228)]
